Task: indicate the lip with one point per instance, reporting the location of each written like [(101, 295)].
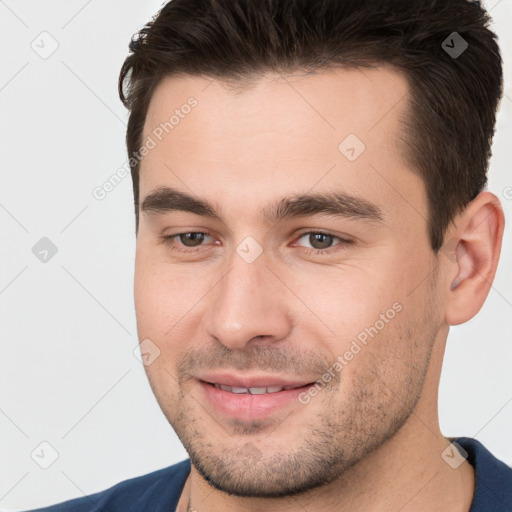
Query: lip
[(249, 407), (254, 381)]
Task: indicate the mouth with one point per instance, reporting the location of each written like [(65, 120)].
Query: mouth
[(252, 401), (261, 390)]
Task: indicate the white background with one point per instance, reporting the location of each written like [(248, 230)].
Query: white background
[(67, 369)]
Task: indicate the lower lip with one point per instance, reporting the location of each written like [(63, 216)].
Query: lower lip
[(245, 406)]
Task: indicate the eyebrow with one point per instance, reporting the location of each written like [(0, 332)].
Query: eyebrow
[(164, 200)]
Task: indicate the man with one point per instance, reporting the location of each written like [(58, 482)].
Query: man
[(311, 219)]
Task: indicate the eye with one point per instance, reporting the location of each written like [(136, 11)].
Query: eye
[(191, 239), (185, 242), (322, 243)]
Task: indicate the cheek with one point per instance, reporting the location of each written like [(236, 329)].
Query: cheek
[(385, 377), (370, 320), (164, 294), (161, 306), (348, 298), (398, 345)]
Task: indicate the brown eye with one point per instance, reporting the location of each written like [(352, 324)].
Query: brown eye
[(320, 240), (191, 239), (188, 242), (323, 243)]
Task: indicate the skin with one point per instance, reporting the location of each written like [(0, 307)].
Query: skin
[(370, 439)]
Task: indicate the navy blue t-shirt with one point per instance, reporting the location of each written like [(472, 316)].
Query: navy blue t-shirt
[(160, 490)]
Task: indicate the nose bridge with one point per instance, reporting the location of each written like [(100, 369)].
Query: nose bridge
[(246, 304)]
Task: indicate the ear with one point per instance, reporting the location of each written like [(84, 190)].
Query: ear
[(473, 247)]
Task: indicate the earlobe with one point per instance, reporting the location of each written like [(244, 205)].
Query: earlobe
[(478, 233)]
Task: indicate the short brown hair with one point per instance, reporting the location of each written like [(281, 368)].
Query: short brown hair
[(453, 98)]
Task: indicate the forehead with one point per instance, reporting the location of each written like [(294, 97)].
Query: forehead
[(283, 134), (315, 105)]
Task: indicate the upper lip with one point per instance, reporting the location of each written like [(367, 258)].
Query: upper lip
[(255, 381)]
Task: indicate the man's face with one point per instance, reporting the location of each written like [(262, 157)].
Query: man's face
[(264, 299)]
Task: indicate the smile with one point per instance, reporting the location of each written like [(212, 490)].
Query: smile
[(253, 391)]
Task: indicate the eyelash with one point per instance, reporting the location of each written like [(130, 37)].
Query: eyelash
[(169, 239)]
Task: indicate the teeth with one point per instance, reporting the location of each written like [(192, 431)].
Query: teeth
[(274, 389), (239, 390), (253, 391), (257, 391)]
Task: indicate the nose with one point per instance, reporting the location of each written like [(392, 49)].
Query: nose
[(248, 305)]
